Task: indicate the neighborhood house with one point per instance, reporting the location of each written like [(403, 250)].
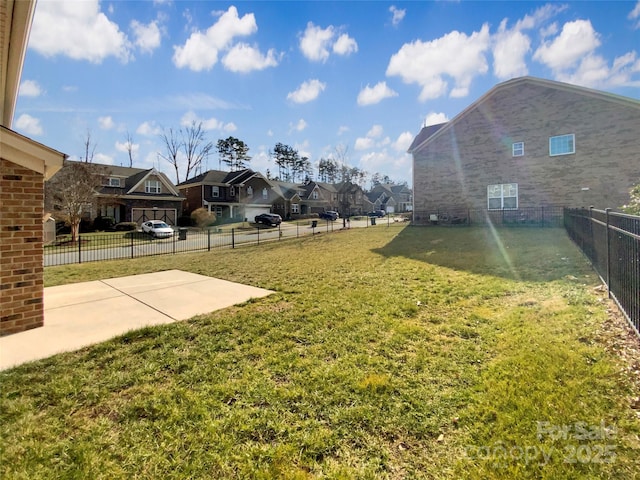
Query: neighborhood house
[(527, 143)]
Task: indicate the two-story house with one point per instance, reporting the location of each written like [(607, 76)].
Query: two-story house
[(238, 195)]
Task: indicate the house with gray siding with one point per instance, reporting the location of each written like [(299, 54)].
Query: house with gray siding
[(529, 142)]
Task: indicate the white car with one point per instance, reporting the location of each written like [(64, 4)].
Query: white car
[(157, 229)]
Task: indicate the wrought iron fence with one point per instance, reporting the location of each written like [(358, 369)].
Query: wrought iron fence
[(547, 216), (119, 245), (611, 241)]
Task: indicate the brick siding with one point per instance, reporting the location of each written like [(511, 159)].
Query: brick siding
[(21, 254), (455, 168)]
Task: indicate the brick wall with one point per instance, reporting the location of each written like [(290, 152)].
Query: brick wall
[(21, 256), (475, 151)]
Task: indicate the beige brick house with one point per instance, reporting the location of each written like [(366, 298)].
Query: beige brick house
[(526, 143), (24, 165)]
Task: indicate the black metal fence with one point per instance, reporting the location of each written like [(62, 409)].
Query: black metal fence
[(611, 241), (548, 216), (119, 245)]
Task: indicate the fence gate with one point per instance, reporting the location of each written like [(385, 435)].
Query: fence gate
[(167, 215)]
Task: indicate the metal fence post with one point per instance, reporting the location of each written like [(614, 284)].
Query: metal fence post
[(233, 238), (79, 249), (258, 229), (131, 244), (208, 239), (606, 211)]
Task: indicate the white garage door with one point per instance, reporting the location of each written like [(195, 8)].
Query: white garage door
[(250, 211)]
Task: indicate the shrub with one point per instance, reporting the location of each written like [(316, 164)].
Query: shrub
[(203, 218), (633, 207), (126, 226), (104, 223)]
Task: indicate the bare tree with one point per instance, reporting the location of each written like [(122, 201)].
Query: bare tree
[(89, 148), (191, 142), (196, 147), (72, 190), (172, 143), (129, 146)]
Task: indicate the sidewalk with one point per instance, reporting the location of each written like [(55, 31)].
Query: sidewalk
[(83, 314)]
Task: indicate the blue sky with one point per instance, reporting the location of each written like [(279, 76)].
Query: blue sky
[(355, 80)]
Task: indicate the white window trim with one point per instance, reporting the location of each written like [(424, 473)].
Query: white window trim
[(215, 191), (232, 191), (502, 196), (295, 208), (573, 143), (265, 193), (520, 148), (249, 191), (152, 186)]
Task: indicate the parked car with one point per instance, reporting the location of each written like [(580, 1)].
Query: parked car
[(377, 213), (329, 215), (157, 229), (272, 219)]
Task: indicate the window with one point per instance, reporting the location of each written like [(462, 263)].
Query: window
[(502, 196), (250, 191), (518, 149), (112, 182), (562, 145), (265, 193), (219, 212), (152, 186), (215, 191), (314, 195), (232, 191), (295, 208)]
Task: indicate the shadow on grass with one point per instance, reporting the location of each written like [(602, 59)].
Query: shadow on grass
[(528, 254)]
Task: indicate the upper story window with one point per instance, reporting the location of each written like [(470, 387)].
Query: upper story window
[(265, 193), (562, 145), (518, 149), (112, 182), (152, 186), (503, 196), (215, 191), (250, 191), (314, 194), (232, 191)]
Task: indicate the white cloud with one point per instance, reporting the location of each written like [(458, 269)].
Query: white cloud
[(106, 123), (373, 139), (30, 88), (307, 92), (299, 126), (200, 51), (207, 123), (148, 129), (372, 95), (576, 40), (345, 45), (343, 129), (634, 15), (124, 148), (456, 55), (28, 125), (78, 30), (403, 142), (434, 118), (147, 37), (244, 58), (398, 15), (572, 58), (315, 43), (509, 50), (397, 166), (103, 158)]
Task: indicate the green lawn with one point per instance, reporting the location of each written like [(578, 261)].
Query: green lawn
[(385, 353)]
